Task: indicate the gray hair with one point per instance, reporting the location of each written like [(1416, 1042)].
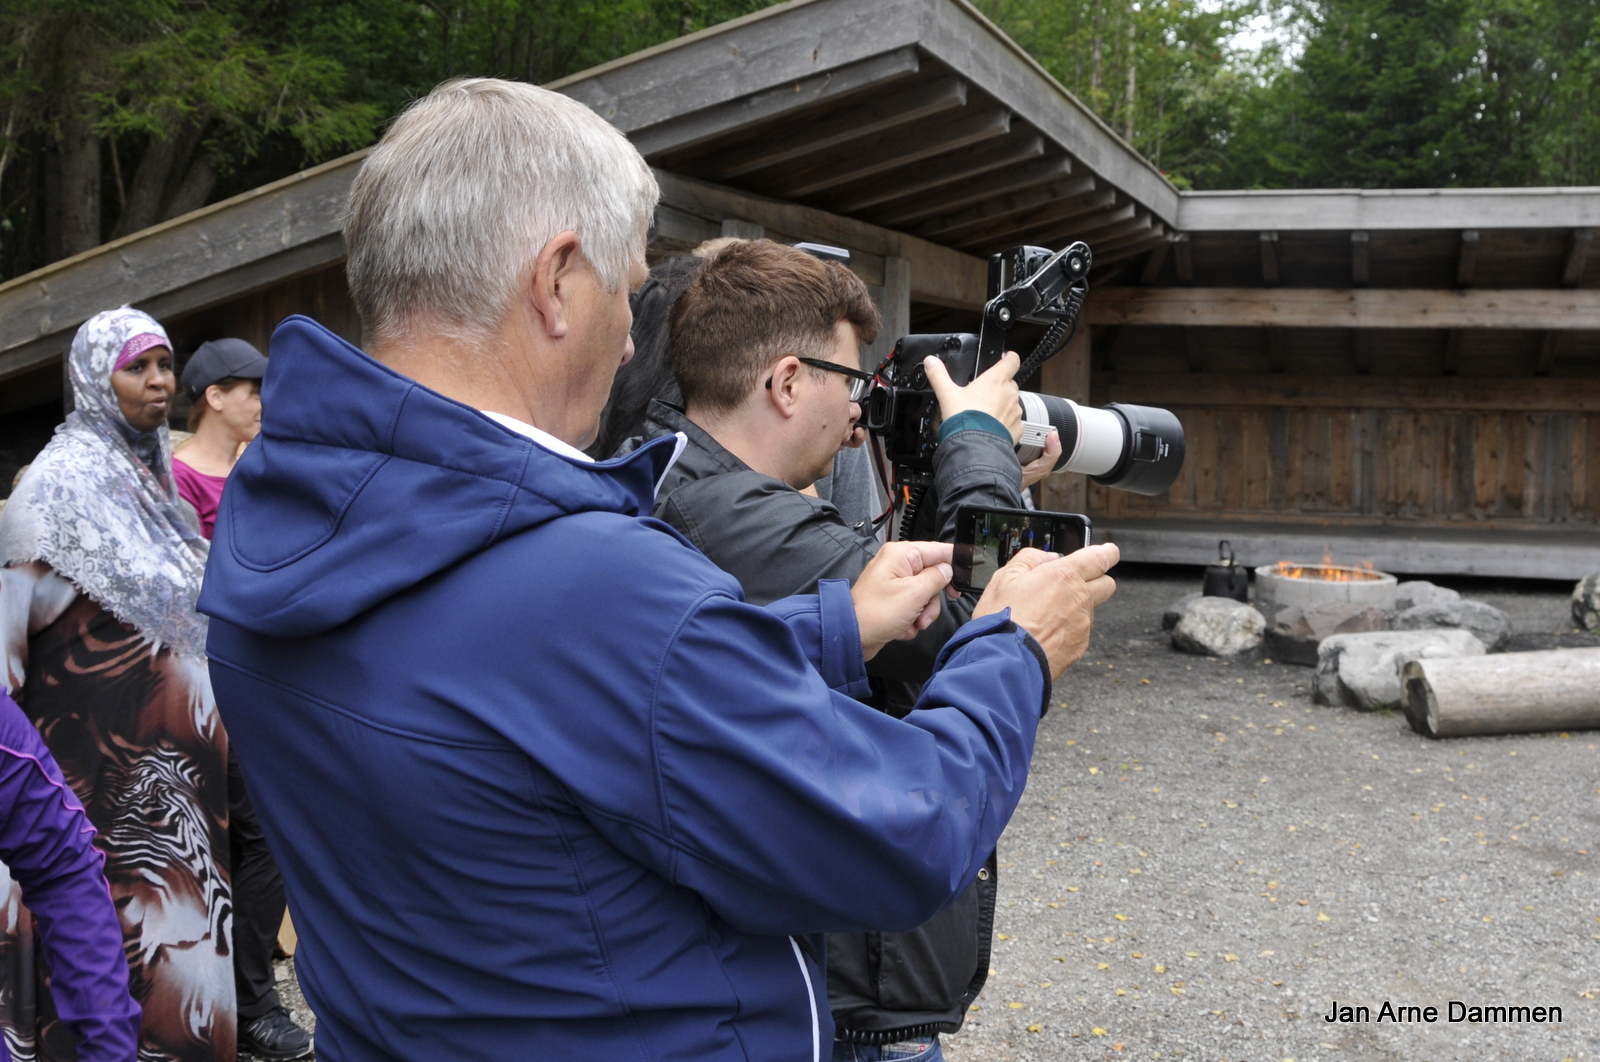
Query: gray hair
[(455, 203)]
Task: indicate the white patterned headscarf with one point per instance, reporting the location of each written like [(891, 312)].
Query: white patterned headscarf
[(99, 504)]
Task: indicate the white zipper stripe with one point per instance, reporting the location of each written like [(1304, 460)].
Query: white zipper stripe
[(811, 997)]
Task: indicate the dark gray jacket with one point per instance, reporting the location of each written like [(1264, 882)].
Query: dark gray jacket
[(882, 987)]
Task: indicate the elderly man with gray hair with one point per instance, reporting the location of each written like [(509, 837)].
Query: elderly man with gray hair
[(542, 784)]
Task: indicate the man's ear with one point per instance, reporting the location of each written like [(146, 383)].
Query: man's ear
[(783, 386), (550, 286)]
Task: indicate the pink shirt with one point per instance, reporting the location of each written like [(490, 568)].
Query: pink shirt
[(201, 491)]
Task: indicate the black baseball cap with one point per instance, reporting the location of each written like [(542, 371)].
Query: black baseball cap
[(218, 360)]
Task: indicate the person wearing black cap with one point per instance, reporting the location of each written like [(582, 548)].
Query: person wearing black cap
[(223, 379)]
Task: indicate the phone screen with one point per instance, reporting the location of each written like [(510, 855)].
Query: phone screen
[(988, 538)]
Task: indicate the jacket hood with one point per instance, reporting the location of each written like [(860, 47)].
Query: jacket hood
[(363, 483)]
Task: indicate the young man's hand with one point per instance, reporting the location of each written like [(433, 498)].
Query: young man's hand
[(1053, 598), (897, 593), (995, 392), (1045, 463)]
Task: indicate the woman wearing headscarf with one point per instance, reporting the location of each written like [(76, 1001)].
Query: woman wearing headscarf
[(106, 654)]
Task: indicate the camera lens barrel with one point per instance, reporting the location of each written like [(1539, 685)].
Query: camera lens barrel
[(1154, 450), (1132, 448)]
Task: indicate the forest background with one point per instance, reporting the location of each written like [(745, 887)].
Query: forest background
[(117, 114)]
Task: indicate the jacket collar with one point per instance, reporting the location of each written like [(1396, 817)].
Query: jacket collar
[(704, 456)]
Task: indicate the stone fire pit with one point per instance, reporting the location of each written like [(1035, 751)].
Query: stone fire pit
[(1305, 603), (1307, 585)]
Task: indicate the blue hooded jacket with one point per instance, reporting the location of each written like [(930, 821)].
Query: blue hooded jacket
[(542, 785)]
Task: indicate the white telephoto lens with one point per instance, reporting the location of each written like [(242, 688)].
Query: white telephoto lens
[(1101, 440)]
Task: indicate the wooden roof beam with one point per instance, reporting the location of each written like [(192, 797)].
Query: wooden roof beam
[(1131, 245), (1010, 181), (1360, 259), (1026, 222), (880, 116), (939, 275), (957, 168), (252, 241), (908, 145), (1068, 197), (1151, 270), (1105, 229), (787, 43), (1321, 391), (1530, 310), (737, 115), (1379, 210)]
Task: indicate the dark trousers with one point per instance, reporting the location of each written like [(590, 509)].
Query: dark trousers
[(258, 902)]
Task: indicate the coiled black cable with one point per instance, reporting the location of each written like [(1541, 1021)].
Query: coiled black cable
[(908, 515), (1057, 336)]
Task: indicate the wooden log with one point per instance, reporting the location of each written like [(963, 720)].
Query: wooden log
[(1504, 693), (1564, 309)]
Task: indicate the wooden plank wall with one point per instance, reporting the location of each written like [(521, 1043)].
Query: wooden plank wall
[(1360, 449), (320, 295)]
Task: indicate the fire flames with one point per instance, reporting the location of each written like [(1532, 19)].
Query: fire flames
[(1328, 571)]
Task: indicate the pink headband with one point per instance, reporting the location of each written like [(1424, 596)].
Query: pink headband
[(136, 346)]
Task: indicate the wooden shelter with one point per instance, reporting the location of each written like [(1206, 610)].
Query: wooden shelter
[(1355, 369), (1406, 377)]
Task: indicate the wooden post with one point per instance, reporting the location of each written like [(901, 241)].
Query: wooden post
[(1360, 260), (1269, 258), (894, 302), (1503, 693), (1467, 258), (1183, 258), (1067, 375)]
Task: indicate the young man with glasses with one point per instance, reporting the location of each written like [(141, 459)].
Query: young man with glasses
[(766, 350)]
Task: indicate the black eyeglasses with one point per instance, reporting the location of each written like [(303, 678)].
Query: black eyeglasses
[(860, 382)]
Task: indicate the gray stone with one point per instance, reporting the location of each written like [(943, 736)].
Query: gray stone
[(1295, 633), (1219, 626), (1422, 592), (1586, 603), (1175, 611), (1491, 626), (1363, 670)]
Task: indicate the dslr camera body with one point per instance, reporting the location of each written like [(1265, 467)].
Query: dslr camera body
[(1134, 448)]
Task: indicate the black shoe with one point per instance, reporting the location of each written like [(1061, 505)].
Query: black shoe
[(274, 1036)]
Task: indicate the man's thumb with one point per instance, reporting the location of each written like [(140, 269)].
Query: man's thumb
[(938, 377), (932, 579)]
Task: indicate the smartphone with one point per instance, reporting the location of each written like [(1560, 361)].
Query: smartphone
[(987, 538)]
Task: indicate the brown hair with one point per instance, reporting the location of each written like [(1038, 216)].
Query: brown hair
[(753, 303), (199, 407)]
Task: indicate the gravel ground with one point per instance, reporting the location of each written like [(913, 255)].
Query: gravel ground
[(1205, 861)]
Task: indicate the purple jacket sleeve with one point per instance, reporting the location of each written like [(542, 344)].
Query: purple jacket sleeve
[(47, 841)]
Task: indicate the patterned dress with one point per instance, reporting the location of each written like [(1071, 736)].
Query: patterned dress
[(137, 736)]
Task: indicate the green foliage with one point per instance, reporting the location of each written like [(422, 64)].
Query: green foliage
[(207, 70), (1380, 93), (198, 99), (1428, 93), (1160, 73)]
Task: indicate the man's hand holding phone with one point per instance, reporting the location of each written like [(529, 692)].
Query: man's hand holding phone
[(1053, 598), (897, 593)]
